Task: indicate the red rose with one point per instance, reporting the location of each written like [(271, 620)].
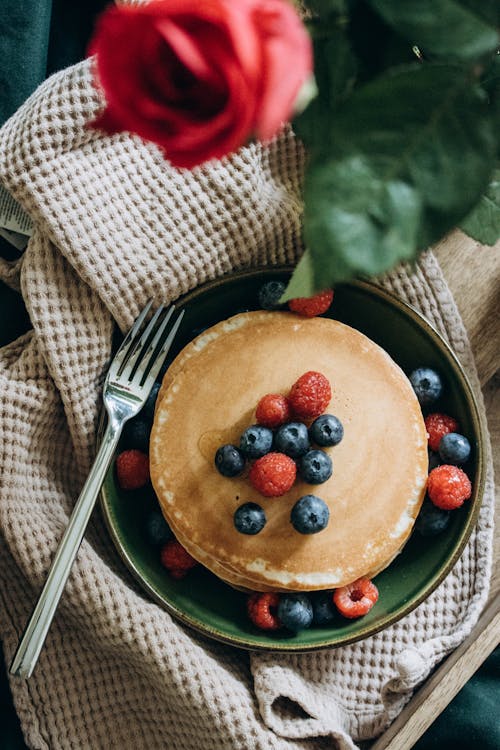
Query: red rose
[(200, 77)]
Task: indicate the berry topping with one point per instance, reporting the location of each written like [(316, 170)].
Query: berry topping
[(157, 529), (295, 611), (256, 441), (356, 599), (229, 460), (132, 469), (427, 385), (431, 520), (324, 611), (326, 430), (438, 425), (454, 448), (292, 439), (270, 293), (249, 518), (312, 306), (262, 609), (310, 395), (273, 474), (136, 434), (309, 515), (176, 559), (448, 487), (315, 467), (148, 410), (273, 410)]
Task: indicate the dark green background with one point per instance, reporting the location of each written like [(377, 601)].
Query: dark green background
[(38, 37)]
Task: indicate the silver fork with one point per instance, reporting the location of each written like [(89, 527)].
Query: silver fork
[(128, 383)]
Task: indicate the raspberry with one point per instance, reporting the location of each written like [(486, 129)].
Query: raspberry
[(273, 410), (310, 395), (262, 610), (312, 306), (273, 474), (438, 425), (176, 559), (132, 469), (448, 487), (356, 599)]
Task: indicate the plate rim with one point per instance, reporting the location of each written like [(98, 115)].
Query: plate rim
[(460, 543)]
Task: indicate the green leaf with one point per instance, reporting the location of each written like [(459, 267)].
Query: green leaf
[(301, 283), (409, 155), (488, 10), (430, 125), (483, 223), (451, 29), (377, 45), (490, 81), (334, 71), (356, 223)]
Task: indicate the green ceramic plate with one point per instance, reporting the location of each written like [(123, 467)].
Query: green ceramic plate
[(214, 608)]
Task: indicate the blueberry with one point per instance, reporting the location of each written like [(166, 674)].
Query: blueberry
[(427, 385), (295, 611), (324, 610), (249, 518), (454, 448), (148, 410), (229, 461), (292, 439), (431, 520), (309, 515), (256, 441), (315, 467), (326, 430), (136, 434), (157, 529), (270, 293)]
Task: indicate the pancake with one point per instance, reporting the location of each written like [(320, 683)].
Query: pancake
[(208, 397)]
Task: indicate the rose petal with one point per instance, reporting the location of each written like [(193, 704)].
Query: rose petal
[(285, 39), (185, 48)]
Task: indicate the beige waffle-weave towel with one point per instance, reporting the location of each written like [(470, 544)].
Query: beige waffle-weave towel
[(116, 225)]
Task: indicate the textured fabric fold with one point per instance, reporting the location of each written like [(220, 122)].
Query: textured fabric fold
[(115, 225)]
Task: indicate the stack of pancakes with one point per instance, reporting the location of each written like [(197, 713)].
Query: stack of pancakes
[(208, 398)]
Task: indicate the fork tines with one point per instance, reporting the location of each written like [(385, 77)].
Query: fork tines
[(146, 345)]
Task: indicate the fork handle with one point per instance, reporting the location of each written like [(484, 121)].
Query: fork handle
[(38, 625)]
